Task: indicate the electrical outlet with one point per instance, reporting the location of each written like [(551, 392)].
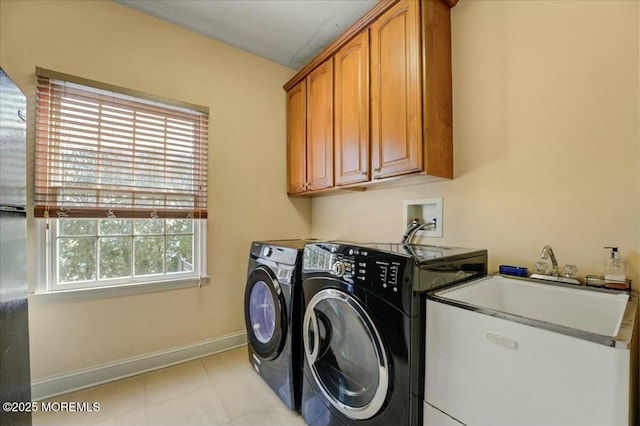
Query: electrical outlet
[(426, 211)]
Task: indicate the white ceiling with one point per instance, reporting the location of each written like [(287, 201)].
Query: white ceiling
[(289, 32)]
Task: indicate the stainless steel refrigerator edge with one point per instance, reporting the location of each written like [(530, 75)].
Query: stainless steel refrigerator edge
[(15, 376)]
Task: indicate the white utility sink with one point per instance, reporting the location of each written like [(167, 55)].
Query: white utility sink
[(505, 351), (577, 308)]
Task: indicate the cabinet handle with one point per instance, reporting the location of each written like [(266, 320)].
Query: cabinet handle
[(362, 172), (376, 170)]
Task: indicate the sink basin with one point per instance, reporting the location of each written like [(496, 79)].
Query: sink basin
[(575, 308)]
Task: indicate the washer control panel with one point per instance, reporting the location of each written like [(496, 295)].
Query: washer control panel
[(387, 272), (379, 272), (341, 268)]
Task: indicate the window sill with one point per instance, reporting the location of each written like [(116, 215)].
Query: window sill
[(117, 290)]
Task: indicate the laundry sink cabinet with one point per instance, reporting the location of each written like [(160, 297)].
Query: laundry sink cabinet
[(486, 366)]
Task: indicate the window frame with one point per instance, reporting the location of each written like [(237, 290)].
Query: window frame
[(47, 276)]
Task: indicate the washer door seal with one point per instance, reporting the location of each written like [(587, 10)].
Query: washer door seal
[(265, 313)]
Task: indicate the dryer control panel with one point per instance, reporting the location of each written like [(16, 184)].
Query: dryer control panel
[(274, 252)]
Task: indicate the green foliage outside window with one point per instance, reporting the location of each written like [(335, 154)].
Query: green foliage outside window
[(102, 249)]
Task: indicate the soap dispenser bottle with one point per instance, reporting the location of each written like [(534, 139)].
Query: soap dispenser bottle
[(615, 270)]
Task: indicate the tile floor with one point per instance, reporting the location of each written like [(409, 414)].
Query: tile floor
[(220, 389)]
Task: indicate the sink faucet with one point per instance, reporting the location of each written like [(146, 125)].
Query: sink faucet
[(547, 252)]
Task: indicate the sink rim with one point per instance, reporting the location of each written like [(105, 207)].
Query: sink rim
[(621, 340), (551, 278)]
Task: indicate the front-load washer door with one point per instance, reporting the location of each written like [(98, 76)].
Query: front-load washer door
[(345, 354), (265, 313)]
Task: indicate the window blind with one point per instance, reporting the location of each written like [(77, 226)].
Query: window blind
[(107, 151)]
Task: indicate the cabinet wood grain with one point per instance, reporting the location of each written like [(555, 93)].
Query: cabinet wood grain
[(297, 138), (437, 108), (320, 127), (396, 133), (351, 118)]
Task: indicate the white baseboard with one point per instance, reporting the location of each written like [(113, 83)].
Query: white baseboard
[(80, 379)]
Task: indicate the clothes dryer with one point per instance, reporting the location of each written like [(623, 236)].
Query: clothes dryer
[(272, 311), (363, 328)]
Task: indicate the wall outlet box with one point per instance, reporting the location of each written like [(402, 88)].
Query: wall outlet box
[(425, 210)]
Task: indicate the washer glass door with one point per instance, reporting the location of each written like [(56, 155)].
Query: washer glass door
[(262, 312), (265, 313), (345, 353)]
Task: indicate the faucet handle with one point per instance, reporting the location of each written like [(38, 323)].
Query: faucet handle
[(542, 267), (570, 271)]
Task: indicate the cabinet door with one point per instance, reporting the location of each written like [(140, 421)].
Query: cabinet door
[(396, 133), (296, 138), (351, 119), (320, 127)]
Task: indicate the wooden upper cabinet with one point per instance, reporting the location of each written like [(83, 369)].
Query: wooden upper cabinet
[(320, 127), (297, 138), (351, 116), (396, 108), (377, 101), (437, 108)]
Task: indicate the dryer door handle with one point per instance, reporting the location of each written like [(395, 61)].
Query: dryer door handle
[(311, 343)]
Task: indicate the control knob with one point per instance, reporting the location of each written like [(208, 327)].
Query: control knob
[(339, 268), (266, 252)]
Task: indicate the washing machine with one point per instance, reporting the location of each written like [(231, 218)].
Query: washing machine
[(273, 314), (363, 328)]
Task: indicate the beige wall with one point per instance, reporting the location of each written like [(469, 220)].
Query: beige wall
[(104, 41), (546, 137), (547, 151)]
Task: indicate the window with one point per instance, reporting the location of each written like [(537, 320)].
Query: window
[(120, 185), (101, 252)]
